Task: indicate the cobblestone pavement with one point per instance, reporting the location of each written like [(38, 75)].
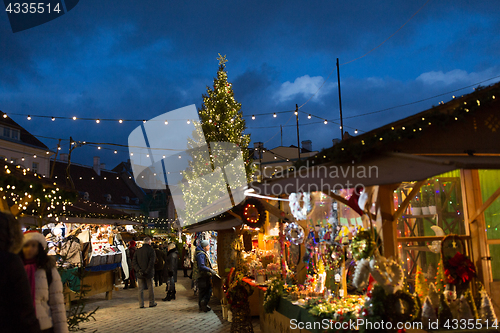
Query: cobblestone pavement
[(122, 313)]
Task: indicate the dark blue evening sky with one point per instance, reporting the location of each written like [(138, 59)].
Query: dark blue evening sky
[(139, 59)]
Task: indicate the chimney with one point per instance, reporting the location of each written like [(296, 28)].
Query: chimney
[(307, 144), (258, 147), (97, 165), (335, 141), (63, 157)]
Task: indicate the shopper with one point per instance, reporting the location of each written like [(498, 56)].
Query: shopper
[(17, 312), (171, 271), (203, 273), (161, 257), (132, 278), (45, 283), (143, 263), (186, 259)]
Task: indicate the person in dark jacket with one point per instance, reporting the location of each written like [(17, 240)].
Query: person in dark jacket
[(17, 312), (143, 262), (203, 273), (161, 257), (171, 271), (186, 260), (131, 250)]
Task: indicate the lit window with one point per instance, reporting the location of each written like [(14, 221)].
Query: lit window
[(34, 166)]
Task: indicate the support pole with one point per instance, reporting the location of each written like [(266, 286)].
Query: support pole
[(298, 139), (340, 103)]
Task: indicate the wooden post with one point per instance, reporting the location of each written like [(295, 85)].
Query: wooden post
[(389, 226), (471, 194)]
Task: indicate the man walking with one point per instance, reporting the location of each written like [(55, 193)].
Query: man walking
[(203, 273), (144, 260)]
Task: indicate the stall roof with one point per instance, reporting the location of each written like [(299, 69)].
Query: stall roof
[(214, 225), (461, 134)]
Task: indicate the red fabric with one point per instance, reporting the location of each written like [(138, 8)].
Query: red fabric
[(353, 201), (30, 267), (253, 284)]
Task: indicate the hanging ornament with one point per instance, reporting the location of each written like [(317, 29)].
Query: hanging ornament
[(294, 233), (354, 200), (298, 211)]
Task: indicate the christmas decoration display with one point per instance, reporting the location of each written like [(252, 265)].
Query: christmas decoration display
[(237, 293), (299, 211), (338, 310), (294, 233)]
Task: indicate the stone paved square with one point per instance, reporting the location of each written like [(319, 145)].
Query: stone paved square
[(122, 314)]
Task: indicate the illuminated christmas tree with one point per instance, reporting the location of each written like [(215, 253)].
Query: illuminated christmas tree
[(221, 120)]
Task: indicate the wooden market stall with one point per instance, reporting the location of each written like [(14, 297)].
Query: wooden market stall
[(398, 165)]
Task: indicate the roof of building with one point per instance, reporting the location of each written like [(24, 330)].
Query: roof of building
[(25, 138), (98, 187)]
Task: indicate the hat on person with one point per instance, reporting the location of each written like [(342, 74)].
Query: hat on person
[(171, 246), (35, 236), (204, 243), (132, 243)]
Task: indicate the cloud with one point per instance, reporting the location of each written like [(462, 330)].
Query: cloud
[(456, 76), (304, 85)]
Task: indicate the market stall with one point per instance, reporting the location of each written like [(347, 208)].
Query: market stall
[(418, 236)]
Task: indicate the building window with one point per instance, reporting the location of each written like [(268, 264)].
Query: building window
[(34, 166), (6, 132), (14, 134)]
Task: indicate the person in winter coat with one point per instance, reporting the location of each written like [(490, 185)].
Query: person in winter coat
[(132, 278), (143, 262), (45, 283), (203, 273), (161, 257), (17, 312), (170, 271), (186, 260)]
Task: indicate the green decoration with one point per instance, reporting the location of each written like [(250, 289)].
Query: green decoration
[(418, 315), (421, 284), (363, 245), (440, 278), (273, 295)]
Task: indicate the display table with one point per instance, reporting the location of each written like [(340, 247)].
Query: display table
[(96, 281)]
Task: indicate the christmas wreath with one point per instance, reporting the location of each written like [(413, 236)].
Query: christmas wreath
[(254, 214), (363, 245), (298, 211), (294, 233)]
